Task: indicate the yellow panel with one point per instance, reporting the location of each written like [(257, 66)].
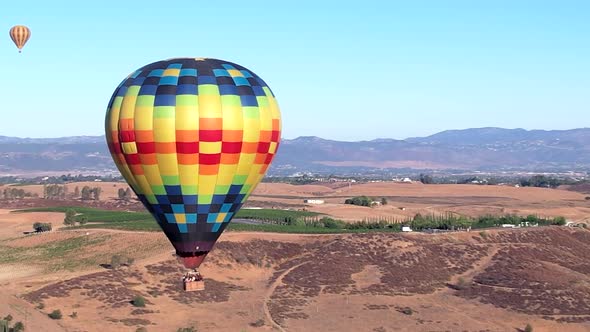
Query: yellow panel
[(152, 174), (273, 147), (253, 174), (265, 119), (189, 174), (143, 118), (145, 187), (187, 118), (129, 147), (274, 107), (251, 130), (207, 184), (246, 161), (209, 106), (164, 130), (235, 73), (167, 163), (233, 118), (226, 174), (171, 72), (220, 217), (128, 107), (180, 218), (210, 147)]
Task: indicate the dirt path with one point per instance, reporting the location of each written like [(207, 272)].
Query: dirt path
[(479, 266), (271, 290)]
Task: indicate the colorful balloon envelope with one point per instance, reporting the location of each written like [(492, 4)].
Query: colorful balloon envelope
[(20, 34), (193, 138)]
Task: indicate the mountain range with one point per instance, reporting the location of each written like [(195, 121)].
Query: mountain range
[(476, 149)]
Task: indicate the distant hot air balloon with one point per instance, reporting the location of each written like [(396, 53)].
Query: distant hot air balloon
[(193, 138), (20, 34)]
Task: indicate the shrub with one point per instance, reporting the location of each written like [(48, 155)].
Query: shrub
[(74, 314), (528, 328), (116, 261), (83, 220), (407, 311), (70, 218), (55, 314), (483, 234), (587, 198), (41, 306), (18, 327), (8, 318), (558, 221), (138, 301), (258, 323), (461, 283), (141, 329), (186, 329), (42, 227)]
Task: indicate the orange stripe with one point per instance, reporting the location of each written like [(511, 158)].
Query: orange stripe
[(136, 169), (187, 135), (260, 158), (188, 159), (210, 123), (232, 135), (230, 158), (144, 136), (126, 124), (248, 147), (265, 135), (208, 169), (148, 159), (165, 147)]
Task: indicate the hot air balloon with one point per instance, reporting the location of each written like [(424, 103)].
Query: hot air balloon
[(20, 34), (193, 137)]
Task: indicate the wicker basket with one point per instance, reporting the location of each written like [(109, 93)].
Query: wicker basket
[(191, 286)]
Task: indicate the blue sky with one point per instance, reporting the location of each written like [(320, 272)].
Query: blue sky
[(340, 70)]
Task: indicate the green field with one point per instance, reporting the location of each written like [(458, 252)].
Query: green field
[(142, 221)]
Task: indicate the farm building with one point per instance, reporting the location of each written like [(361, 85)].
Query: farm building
[(313, 201)]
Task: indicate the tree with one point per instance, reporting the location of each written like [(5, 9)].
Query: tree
[(70, 219), (383, 201), (42, 227), (96, 193), (138, 301), (426, 179), (55, 314), (18, 327), (83, 220), (86, 193)]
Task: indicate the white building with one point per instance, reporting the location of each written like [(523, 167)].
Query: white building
[(406, 229), (313, 201)]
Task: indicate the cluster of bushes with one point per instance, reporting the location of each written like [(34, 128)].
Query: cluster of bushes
[(71, 218), (42, 227), (15, 193), (120, 260), (540, 181), (365, 201), (6, 322), (493, 221), (89, 193), (125, 194), (54, 191), (444, 222)]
